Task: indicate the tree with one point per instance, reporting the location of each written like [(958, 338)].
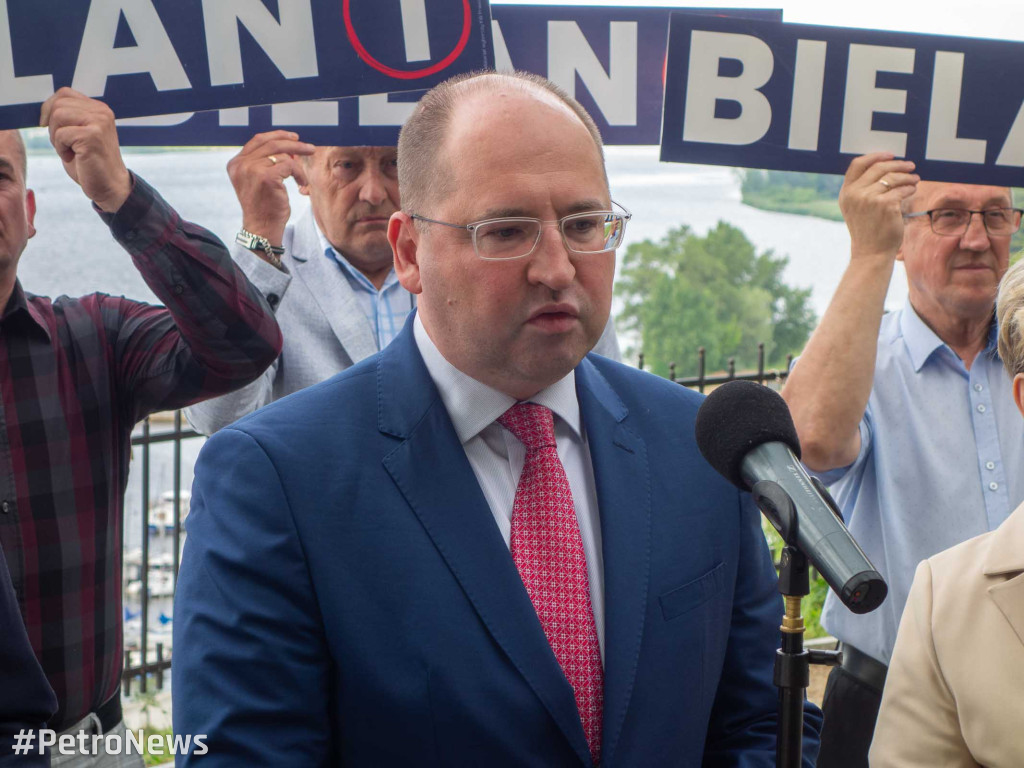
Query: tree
[(686, 292)]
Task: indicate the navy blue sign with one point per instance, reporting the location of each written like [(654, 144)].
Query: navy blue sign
[(146, 57), (611, 59), (807, 98)]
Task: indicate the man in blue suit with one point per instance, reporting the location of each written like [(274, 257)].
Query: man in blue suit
[(390, 569)]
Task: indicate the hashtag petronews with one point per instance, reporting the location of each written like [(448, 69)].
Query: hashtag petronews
[(111, 743)]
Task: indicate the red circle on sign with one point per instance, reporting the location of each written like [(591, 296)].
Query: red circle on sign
[(364, 54)]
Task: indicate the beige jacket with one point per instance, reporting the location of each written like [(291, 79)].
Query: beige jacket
[(955, 691)]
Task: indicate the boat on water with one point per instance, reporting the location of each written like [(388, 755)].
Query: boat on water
[(161, 584), (162, 514)]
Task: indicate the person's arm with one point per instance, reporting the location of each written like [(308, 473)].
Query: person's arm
[(217, 332), (744, 719), (251, 663), (828, 389), (917, 723)]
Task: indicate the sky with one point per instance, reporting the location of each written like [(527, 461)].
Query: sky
[(984, 18)]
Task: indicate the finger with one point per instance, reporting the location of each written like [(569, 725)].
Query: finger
[(895, 180), (299, 173), (281, 147), (257, 143), (886, 170), (859, 165), (66, 138)]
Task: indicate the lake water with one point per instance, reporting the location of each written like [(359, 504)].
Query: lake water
[(74, 254)]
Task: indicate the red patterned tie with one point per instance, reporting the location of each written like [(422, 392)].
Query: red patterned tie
[(548, 551)]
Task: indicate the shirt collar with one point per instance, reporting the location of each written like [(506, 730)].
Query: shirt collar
[(473, 405), (354, 274), (19, 306), (922, 341)]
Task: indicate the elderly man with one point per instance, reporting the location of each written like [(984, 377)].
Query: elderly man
[(329, 276), (953, 693), (77, 374), (908, 415), (482, 546)]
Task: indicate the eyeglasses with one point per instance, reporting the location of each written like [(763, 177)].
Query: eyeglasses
[(954, 222), (516, 237)]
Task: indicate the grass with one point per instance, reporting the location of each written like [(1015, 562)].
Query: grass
[(823, 209)]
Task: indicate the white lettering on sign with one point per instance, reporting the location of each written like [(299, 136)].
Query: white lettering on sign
[(502, 60), (155, 121), (614, 91), (864, 98), (705, 87), (808, 87), (379, 110), (305, 113), (1012, 152), (152, 53), (14, 89), (414, 30), (290, 44), (236, 116), (944, 115)]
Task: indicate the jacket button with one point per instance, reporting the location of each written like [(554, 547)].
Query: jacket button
[(6, 507)]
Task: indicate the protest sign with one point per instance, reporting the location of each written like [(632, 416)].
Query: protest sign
[(152, 57), (611, 58), (808, 98)]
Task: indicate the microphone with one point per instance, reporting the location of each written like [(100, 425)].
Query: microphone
[(744, 430)]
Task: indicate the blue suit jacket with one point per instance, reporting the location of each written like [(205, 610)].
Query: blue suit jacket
[(346, 597)]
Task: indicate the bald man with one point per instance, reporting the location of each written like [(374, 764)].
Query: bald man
[(484, 545)]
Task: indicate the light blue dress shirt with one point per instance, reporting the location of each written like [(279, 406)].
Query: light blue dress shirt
[(941, 460), (386, 309)]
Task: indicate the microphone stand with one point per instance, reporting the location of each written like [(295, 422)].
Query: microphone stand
[(792, 660)]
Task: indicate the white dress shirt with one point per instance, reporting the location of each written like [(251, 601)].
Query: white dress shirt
[(497, 456)]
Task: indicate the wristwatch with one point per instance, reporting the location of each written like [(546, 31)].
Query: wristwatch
[(253, 242)]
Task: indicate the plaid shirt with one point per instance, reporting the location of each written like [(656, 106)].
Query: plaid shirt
[(76, 375)]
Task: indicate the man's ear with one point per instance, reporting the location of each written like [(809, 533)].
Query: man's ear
[(405, 239), (1018, 392), (30, 211)]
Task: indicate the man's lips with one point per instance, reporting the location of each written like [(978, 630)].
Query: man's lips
[(555, 317)]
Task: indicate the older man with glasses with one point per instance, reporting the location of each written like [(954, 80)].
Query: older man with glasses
[(908, 415)]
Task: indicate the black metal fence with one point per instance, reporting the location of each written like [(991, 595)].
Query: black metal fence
[(143, 668)]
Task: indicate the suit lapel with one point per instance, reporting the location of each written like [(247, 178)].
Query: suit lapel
[(432, 472), (622, 476), (1005, 557), (332, 291)]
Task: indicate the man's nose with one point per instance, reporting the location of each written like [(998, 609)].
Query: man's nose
[(373, 190), (976, 238), (550, 262)]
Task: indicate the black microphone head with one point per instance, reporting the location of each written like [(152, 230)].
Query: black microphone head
[(736, 418)]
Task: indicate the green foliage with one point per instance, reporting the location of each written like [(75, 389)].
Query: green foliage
[(808, 194), (685, 292)]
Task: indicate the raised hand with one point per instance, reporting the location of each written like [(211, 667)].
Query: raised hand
[(258, 173), (82, 131), (873, 190)]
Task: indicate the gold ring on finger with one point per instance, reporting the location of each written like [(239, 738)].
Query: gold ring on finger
[(885, 183), (273, 161)]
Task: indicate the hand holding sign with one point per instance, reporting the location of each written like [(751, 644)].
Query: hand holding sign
[(873, 190), (258, 173), (83, 133)]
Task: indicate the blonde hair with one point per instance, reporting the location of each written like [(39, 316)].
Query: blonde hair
[(1010, 318), (421, 176)]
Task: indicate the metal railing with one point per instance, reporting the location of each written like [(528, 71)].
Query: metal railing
[(701, 381), (140, 665)]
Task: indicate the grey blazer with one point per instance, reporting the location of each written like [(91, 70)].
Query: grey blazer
[(324, 329)]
